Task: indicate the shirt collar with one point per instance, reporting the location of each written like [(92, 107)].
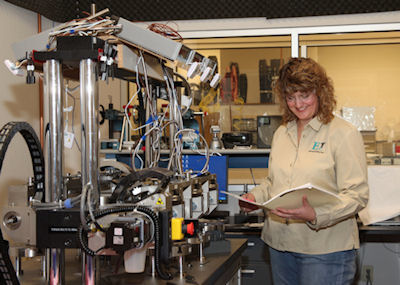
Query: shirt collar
[(315, 123)]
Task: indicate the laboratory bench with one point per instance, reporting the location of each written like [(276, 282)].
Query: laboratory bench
[(255, 261), (379, 233), (256, 267), (252, 225), (218, 269)]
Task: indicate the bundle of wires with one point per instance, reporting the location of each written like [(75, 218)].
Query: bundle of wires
[(93, 25), (166, 31), (155, 124)]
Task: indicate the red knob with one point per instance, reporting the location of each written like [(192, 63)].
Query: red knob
[(190, 228)]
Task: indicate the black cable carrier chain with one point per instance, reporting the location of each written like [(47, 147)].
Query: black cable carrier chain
[(7, 271), (6, 135)]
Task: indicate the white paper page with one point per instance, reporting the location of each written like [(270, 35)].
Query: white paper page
[(384, 194), (292, 198), (241, 198)]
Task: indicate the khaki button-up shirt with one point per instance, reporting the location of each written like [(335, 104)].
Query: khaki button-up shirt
[(328, 155)]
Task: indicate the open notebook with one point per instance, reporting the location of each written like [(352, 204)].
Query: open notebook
[(292, 198)]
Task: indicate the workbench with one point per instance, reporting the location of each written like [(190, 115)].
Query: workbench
[(218, 269)]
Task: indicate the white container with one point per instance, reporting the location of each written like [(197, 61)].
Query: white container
[(135, 260)]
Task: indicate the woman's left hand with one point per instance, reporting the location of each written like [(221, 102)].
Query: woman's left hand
[(305, 213)]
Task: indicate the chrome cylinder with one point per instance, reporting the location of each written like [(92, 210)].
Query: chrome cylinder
[(90, 148), (18, 266), (89, 125), (57, 268), (53, 94), (90, 270), (181, 266), (53, 91), (153, 266)]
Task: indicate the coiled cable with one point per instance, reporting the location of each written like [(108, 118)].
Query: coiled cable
[(82, 233)]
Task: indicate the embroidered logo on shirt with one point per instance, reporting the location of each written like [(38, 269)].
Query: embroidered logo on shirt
[(318, 147)]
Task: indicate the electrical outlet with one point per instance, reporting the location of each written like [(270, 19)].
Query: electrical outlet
[(367, 273)]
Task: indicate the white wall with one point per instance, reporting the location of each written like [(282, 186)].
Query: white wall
[(18, 101)]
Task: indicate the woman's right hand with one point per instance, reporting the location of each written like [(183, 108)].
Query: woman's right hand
[(248, 207)]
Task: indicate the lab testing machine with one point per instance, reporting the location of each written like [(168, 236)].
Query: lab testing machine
[(147, 210)]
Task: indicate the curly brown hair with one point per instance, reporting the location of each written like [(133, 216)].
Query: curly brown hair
[(305, 75)]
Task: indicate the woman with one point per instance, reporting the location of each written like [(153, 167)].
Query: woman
[(312, 245)]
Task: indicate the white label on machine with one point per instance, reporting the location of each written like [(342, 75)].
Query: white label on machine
[(68, 139)]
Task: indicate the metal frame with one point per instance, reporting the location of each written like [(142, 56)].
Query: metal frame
[(294, 32), (53, 82)]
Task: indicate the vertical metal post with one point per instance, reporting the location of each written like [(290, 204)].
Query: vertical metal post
[(151, 104), (153, 265), (154, 153), (53, 91), (44, 266), (46, 116), (18, 266), (202, 257), (93, 8), (172, 131), (89, 125), (147, 143), (181, 266), (90, 148), (56, 129)]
